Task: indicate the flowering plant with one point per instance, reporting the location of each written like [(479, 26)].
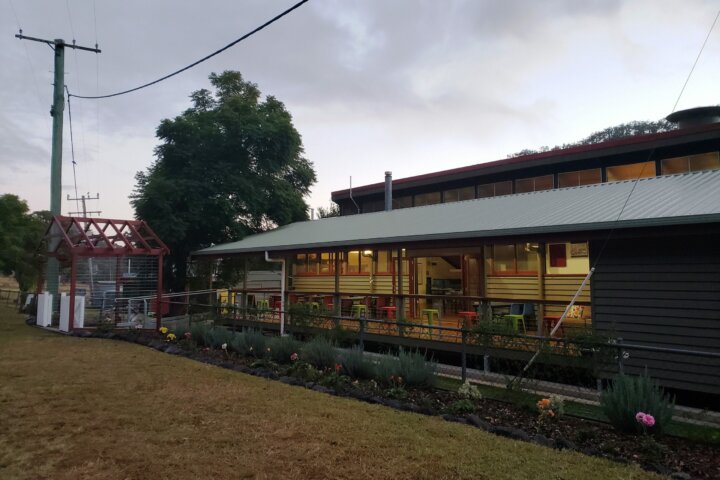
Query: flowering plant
[(294, 357), (469, 391), (171, 337), (188, 335), (163, 330), (550, 407), (338, 367), (645, 419)]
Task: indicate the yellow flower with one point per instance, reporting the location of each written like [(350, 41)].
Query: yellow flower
[(163, 330), (171, 337)]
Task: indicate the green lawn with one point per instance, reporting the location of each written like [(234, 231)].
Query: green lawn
[(74, 408)]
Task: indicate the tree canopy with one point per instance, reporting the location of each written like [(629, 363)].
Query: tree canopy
[(617, 131), (20, 236), (230, 165)]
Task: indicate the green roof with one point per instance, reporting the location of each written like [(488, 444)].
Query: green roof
[(658, 201)]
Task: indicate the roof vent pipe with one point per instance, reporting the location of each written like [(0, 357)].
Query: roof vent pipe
[(388, 191)]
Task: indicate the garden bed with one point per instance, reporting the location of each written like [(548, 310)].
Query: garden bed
[(668, 455)]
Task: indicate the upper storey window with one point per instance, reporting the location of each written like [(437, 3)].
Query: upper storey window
[(691, 163), (534, 184), (458, 194), (631, 171), (580, 177), (427, 199), (494, 189)]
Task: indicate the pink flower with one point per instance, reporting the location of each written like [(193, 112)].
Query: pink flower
[(649, 420), (294, 357), (188, 334), (640, 417), (338, 367)]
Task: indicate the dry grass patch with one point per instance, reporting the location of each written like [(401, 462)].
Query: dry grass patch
[(73, 408)]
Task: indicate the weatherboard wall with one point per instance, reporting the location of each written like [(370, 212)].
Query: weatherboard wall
[(663, 292)]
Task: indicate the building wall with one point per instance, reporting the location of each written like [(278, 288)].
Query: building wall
[(664, 292)]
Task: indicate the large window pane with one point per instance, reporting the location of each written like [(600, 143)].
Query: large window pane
[(631, 171), (581, 177), (526, 258), (402, 202), (524, 185), (504, 258), (353, 262), (705, 161), (384, 262), (301, 263), (327, 263), (546, 182), (691, 163), (458, 194), (503, 188), (427, 199), (365, 261), (486, 191)]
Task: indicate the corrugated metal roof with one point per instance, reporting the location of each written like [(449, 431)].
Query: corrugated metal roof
[(658, 201)]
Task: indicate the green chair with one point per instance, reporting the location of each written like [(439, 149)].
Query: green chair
[(517, 315), (359, 310), (431, 314)]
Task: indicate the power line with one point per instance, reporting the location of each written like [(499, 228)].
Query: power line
[(72, 147), (696, 61), (217, 52)]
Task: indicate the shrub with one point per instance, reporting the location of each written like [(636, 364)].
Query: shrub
[(248, 343), (320, 353), (356, 364), (282, 348), (461, 406), (200, 332), (387, 369), (415, 370), (255, 343), (219, 336), (469, 391), (629, 395)]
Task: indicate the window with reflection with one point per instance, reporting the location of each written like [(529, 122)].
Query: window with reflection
[(494, 189), (459, 194), (580, 177), (631, 171), (514, 259), (430, 198), (534, 184), (691, 163), (356, 261), (402, 202)]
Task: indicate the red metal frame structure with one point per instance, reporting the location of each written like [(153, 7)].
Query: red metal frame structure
[(68, 238)]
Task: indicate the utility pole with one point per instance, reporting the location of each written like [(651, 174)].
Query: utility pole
[(83, 198), (56, 111)]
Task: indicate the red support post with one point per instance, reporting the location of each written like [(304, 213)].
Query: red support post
[(158, 305), (73, 281)]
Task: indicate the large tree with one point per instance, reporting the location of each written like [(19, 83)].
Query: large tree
[(230, 165), (20, 236)]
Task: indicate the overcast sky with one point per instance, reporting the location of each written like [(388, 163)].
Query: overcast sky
[(375, 85)]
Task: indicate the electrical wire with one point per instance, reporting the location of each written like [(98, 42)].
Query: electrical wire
[(696, 61), (72, 149), (207, 57)]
